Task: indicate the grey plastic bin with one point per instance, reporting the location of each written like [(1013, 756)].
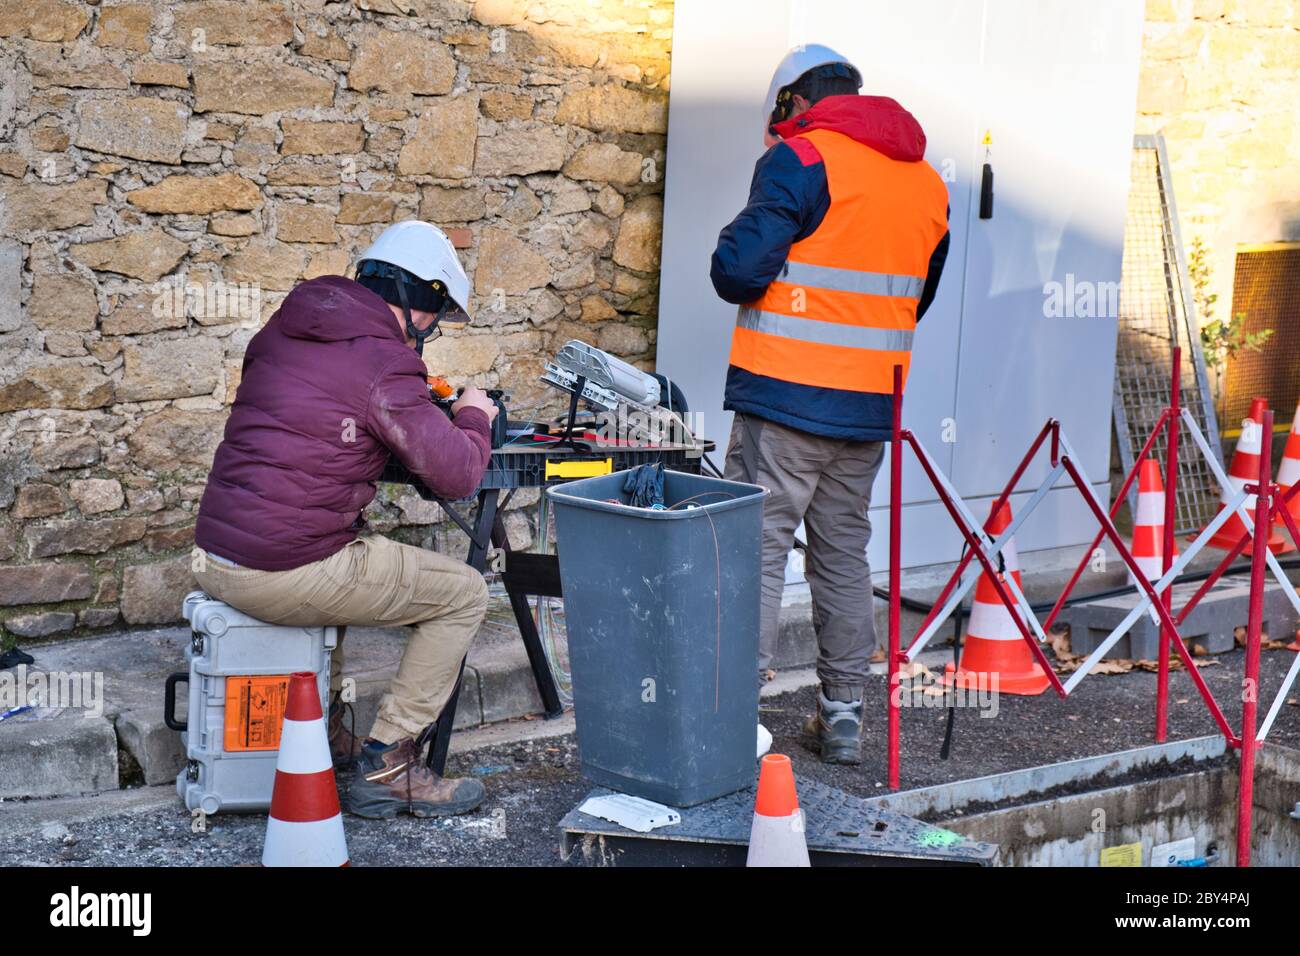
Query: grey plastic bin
[(662, 616)]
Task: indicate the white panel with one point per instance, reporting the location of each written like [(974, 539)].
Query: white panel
[(720, 72), (1058, 94), (923, 54), (1055, 81)]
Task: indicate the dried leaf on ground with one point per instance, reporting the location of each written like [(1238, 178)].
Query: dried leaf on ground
[(1067, 663), (914, 669), (1175, 664), (1239, 637)]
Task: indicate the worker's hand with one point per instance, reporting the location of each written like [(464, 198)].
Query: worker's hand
[(474, 397)]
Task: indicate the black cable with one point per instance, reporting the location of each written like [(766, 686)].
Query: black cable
[(946, 748)]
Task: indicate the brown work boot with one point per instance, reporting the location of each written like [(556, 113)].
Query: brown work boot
[(345, 745), (395, 780)]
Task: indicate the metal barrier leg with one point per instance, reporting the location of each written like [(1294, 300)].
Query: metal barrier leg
[(1171, 513), (1250, 685), (941, 608), (979, 543), (895, 576)]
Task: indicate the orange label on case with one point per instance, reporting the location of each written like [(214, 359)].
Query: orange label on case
[(255, 711)]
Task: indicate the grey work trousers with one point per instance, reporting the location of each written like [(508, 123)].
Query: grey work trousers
[(826, 484)]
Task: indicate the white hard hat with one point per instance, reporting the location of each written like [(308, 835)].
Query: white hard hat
[(424, 250), (795, 64)]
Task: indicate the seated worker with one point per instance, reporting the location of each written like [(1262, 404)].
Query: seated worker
[(332, 385)]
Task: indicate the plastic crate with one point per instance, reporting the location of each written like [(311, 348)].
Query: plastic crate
[(540, 467)]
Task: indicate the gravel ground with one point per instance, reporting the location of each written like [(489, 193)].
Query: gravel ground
[(1103, 714), (532, 784)]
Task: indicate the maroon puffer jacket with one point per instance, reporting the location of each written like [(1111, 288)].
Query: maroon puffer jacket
[(329, 389)]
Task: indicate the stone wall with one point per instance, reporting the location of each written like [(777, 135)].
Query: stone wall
[(168, 171), (1221, 80)]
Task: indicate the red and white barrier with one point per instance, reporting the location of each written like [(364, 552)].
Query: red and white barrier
[(1228, 529)]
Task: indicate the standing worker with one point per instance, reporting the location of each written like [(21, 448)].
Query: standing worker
[(332, 386), (832, 262)]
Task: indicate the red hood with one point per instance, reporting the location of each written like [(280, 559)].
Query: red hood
[(875, 121)]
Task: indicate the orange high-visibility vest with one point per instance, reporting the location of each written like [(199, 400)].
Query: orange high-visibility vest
[(842, 312)]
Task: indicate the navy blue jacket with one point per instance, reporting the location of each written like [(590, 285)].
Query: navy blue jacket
[(788, 198)]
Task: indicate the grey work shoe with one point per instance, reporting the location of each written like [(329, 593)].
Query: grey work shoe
[(395, 780), (835, 731)]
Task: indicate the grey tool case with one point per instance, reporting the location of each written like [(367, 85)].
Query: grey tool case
[(226, 643)]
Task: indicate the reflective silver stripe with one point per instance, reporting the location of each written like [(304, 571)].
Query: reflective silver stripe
[(824, 333), (850, 280)]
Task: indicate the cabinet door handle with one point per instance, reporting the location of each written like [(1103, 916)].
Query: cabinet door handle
[(986, 192)]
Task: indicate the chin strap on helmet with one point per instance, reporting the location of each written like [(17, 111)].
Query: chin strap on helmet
[(420, 335)]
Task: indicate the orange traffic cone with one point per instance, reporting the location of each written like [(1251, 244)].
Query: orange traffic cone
[(1149, 523), (1244, 471), (1288, 474), (994, 655), (305, 827), (777, 835)]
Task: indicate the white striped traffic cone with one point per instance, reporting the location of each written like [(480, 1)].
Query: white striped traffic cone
[(1149, 523), (777, 835), (994, 655), (1245, 471), (1288, 474), (305, 827)]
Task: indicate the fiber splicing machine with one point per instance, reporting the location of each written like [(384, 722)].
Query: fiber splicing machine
[(631, 418)]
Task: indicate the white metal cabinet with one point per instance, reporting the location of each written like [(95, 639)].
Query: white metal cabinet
[(1055, 82)]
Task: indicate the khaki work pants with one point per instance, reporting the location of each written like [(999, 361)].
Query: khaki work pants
[(826, 484), (374, 582)]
